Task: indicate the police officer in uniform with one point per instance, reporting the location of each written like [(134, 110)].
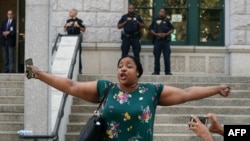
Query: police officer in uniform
[(131, 24), (161, 28), (74, 26)]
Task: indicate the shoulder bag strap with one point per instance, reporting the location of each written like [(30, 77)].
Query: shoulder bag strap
[(105, 95)]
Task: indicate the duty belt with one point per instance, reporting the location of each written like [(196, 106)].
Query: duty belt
[(134, 35)]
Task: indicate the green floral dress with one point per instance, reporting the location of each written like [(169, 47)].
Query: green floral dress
[(130, 115)]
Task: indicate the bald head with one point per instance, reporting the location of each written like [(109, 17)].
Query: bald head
[(73, 13)]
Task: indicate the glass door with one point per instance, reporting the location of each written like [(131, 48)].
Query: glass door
[(20, 36), (177, 11), (145, 9)]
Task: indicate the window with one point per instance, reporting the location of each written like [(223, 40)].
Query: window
[(196, 22)]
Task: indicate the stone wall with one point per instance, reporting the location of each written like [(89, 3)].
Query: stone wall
[(240, 23), (239, 15), (99, 16)]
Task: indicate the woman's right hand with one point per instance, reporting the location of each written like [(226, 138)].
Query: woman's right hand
[(34, 70)]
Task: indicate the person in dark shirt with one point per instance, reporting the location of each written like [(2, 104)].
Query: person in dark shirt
[(162, 29), (131, 24), (74, 26)]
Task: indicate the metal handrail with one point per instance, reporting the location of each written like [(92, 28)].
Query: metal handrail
[(54, 134), (55, 48)]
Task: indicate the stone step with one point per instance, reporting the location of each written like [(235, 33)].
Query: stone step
[(219, 102), (158, 137), (212, 101), (170, 79), (11, 84), (231, 110), (11, 100), (11, 126), (184, 118), (10, 108), (236, 94), (11, 117), (11, 91), (227, 110), (10, 136), (234, 86), (182, 137), (12, 77), (171, 118)]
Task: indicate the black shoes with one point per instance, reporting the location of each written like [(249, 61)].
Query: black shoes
[(155, 73), (169, 73)]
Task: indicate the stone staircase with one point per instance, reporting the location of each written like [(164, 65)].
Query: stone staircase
[(11, 106), (171, 122)]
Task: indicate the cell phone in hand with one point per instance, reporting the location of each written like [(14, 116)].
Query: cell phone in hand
[(29, 70), (203, 119)]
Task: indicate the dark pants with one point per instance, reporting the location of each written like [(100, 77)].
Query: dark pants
[(136, 46), (8, 58), (162, 46), (80, 54)]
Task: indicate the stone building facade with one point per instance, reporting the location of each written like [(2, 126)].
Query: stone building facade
[(102, 39), (101, 46)]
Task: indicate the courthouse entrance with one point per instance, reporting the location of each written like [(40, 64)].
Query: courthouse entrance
[(18, 8)]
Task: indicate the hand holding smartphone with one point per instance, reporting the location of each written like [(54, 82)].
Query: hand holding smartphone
[(203, 120), (29, 71)]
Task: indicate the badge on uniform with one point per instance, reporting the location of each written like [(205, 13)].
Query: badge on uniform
[(135, 19), (164, 22), (158, 22), (129, 18), (11, 28)]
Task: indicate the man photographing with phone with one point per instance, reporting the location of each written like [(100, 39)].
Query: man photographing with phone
[(203, 131)]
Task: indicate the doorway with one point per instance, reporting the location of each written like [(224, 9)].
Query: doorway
[(18, 8)]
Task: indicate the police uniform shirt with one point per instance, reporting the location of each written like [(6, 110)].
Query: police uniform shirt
[(161, 25), (72, 30), (131, 26)]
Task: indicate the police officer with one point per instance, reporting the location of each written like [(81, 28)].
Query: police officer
[(161, 28), (74, 26), (131, 24)]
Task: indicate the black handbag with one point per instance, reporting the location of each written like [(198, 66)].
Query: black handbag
[(94, 130)]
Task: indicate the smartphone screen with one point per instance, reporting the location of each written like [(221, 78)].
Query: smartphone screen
[(201, 118), (28, 70)]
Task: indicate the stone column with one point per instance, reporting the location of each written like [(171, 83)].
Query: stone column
[(239, 40), (36, 111)]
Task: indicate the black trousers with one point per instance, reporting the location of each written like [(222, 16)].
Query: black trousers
[(80, 58), (162, 46), (136, 46)]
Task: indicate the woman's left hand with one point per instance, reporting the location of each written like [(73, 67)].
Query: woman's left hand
[(225, 90)]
